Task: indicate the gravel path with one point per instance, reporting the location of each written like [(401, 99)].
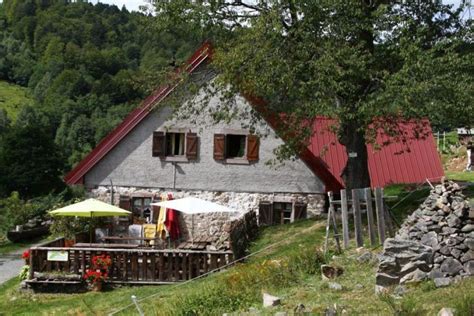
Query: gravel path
[(10, 265)]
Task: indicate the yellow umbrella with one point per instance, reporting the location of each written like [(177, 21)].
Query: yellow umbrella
[(90, 208)]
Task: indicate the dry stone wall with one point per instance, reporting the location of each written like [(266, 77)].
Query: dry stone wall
[(436, 241)]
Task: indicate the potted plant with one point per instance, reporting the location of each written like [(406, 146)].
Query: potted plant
[(98, 272), (95, 278), (68, 227), (26, 256)]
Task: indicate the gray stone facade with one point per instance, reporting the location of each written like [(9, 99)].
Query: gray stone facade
[(214, 224)]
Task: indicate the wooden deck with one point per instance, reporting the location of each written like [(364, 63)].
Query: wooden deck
[(130, 266)]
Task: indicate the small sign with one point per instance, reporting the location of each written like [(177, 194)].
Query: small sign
[(57, 255), (352, 155)]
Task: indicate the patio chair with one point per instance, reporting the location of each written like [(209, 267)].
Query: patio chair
[(100, 233)]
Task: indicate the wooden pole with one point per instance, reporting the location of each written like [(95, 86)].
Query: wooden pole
[(357, 218), (380, 214), (345, 219), (336, 233), (330, 210), (370, 217)]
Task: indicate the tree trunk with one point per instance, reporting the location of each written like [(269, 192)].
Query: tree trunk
[(356, 172)]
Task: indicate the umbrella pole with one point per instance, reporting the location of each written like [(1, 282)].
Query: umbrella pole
[(192, 229)]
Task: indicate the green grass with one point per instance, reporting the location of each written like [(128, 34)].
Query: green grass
[(13, 98), (287, 264), (9, 246), (464, 176)]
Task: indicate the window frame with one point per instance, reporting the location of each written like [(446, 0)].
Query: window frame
[(178, 158), (244, 160)]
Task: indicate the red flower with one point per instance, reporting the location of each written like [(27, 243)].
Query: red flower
[(26, 254)]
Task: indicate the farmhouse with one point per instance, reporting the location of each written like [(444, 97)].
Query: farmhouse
[(154, 152)]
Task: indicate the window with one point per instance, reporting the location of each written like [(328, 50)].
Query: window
[(141, 206), (236, 147), (278, 213), (175, 145), (282, 212)]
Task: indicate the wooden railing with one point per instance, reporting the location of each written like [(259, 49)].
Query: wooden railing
[(140, 266)]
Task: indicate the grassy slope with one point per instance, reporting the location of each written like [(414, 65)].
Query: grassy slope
[(289, 270), (13, 98)]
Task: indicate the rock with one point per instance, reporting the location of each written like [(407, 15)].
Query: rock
[(467, 228), (330, 311), (365, 257), (442, 282), (270, 300), (335, 286), (400, 290), (451, 266), (453, 220), (469, 255), (384, 279), (445, 250), (469, 242), (299, 309), (281, 314), (330, 272), (469, 267), (439, 259), (430, 239), (446, 312), (359, 286), (415, 276), (413, 265), (456, 253), (435, 274)]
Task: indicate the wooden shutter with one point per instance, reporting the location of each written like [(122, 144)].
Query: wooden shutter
[(125, 202), (219, 146), (191, 146), (252, 147), (158, 144), (299, 210), (265, 213)]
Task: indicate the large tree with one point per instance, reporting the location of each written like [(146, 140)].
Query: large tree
[(366, 63)]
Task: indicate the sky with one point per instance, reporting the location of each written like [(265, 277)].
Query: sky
[(134, 4)]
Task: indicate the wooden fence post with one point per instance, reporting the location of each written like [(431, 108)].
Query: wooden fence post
[(345, 219), (357, 218), (370, 217), (380, 214), (32, 265)]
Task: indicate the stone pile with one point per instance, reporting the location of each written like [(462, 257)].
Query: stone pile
[(436, 241)]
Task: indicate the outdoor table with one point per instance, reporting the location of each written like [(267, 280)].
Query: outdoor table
[(125, 238), (95, 245)]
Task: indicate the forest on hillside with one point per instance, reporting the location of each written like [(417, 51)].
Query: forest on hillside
[(85, 66)]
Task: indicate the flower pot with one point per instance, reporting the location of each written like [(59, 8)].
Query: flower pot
[(68, 243), (96, 286)]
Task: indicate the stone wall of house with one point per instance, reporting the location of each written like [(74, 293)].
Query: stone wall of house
[(218, 224)]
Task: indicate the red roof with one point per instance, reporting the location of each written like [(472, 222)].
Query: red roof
[(396, 162), (324, 156)]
